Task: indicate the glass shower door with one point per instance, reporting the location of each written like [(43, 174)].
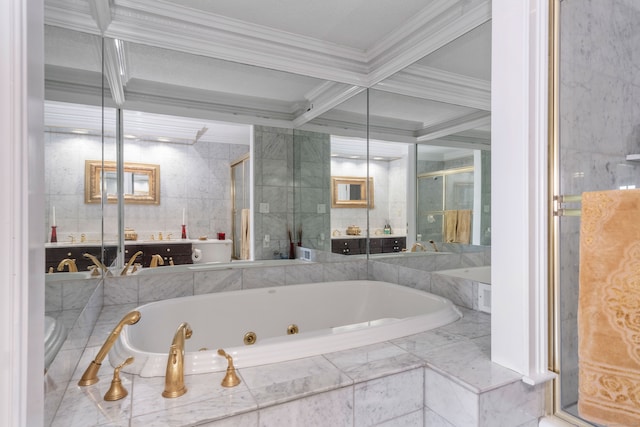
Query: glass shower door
[(595, 129), (240, 179)]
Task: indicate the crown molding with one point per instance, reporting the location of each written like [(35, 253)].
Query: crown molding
[(71, 14), (469, 121), (324, 98), (101, 13), (156, 23), (438, 85), (112, 69), (425, 35)]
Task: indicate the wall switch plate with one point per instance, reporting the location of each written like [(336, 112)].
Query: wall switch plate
[(264, 207)]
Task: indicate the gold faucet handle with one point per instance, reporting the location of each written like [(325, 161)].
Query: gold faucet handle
[(231, 378), (117, 390)]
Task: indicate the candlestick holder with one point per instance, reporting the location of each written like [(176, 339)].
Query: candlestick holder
[(184, 231), (54, 235)]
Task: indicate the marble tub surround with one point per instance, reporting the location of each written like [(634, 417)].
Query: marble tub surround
[(415, 380)]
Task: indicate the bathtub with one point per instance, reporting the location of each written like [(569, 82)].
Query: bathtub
[(330, 316)]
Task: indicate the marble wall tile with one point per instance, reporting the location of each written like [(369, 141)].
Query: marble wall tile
[(389, 397), (369, 362), (262, 277), (345, 271), (207, 282), (449, 400), (76, 293), (205, 400), (52, 296), (514, 405), (432, 419), (164, 286), (282, 382), (409, 420), (249, 419), (306, 273), (416, 279), (460, 291), (121, 290), (384, 272), (334, 408), (84, 406)]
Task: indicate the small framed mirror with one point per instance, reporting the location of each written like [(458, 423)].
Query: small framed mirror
[(141, 182), (351, 192)]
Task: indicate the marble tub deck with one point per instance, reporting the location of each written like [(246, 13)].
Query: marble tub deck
[(426, 379)]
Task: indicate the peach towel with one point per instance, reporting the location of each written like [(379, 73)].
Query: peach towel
[(245, 240), (609, 308), (463, 226), (450, 221)]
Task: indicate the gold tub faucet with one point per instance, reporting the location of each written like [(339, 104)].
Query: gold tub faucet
[(90, 376), (156, 260), (131, 260), (97, 263), (174, 378), (71, 263), (417, 245)]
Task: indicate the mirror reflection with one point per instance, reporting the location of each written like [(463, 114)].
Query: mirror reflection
[(351, 192), (140, 183)]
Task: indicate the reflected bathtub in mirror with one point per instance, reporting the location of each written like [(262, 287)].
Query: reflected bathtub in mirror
[(362, 312)]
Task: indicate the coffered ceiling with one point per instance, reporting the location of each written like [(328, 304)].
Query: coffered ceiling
[(291, 63)]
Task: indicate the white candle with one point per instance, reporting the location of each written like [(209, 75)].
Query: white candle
[(183, 223), (53, 217)]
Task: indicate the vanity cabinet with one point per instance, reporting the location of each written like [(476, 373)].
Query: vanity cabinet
[(348, 246), (180, 253), (53, 256), (377, 245)]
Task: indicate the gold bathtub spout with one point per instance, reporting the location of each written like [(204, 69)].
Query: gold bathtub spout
[(131, 260), (71, 263), (90, 376), (174, 378), (417, 245), (156, 260), (435, 248), (98, 263)]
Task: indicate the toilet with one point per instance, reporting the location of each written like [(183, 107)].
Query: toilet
[(211, 250)]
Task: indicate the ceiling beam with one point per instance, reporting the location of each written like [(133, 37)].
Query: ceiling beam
[(437, 85), (470, 121), (325, 97), (101, 13)]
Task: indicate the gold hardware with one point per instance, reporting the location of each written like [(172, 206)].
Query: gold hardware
[(117, 391), (160, 235), (250, 338), (130, 234), (169, 236), (171, 261), (97, 263), (131, 260), (152, 238), (156, 260), (72, 238), (83, 238), (50, 270), (71, 263), (231, 378), (417, 245), (559, 200), (90, 375), (174, 378), (292, 329)]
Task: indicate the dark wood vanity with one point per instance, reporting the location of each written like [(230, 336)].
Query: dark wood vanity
[(179, 252), (358, 245)]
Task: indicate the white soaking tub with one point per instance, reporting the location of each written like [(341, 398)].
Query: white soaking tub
[(330, 316)]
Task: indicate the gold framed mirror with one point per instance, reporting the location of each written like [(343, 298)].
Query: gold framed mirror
[(351, 192), (141, 182)]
